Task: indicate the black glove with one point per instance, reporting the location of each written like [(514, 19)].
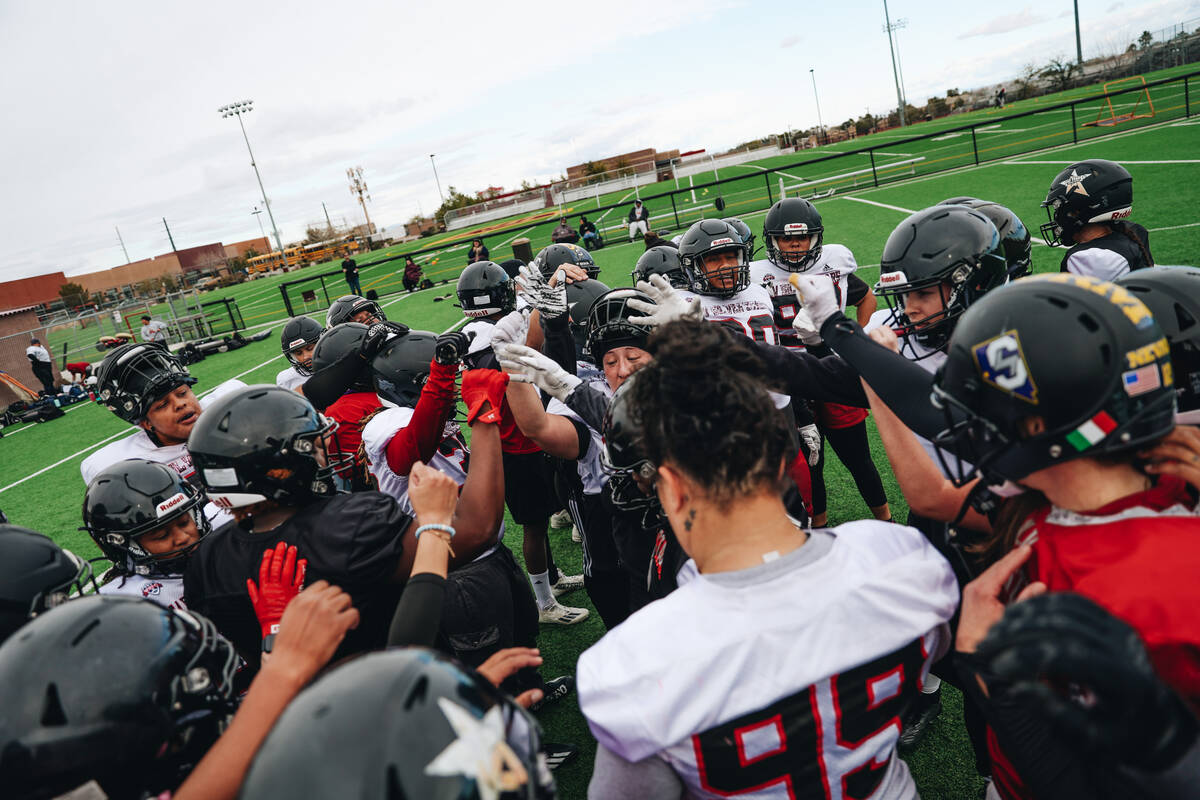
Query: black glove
[(1090, 674), (377, 336), (451, 347)]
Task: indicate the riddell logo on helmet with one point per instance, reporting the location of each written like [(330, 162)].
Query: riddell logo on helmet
[(296, 343), (718, 242), (796, 228), (1122, 214), (889, 278), (165, 506)]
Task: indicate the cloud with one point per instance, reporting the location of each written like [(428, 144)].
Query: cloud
[(1007, 23), (790, 41)]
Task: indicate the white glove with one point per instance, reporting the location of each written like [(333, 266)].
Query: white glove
[(511, 329), (668, 304), (526, 365), (803, 325), (818, 296), (812, 443), (551, 301)]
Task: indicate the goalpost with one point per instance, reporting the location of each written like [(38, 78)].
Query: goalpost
[(1143, 106)]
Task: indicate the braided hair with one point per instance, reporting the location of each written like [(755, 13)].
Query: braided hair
[(703, 406)]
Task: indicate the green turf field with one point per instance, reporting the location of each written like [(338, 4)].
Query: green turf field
[(40, 485)]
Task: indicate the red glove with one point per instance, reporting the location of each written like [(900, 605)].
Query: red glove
[(280, 578), (481, 386)]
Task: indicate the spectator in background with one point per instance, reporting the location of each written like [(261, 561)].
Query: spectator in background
[(564, 233), (477, 252), (412, 274), (591, 237), (350, 270), (154, 330), (639, 219), (39, 360), (654, 239)]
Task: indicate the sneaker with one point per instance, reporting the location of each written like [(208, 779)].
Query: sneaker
[(558, 614), (557, 754), (575, 537), (918, 719), (560, 519), (566, 583), (553, 691)]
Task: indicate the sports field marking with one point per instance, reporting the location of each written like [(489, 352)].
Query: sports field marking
[(514, 236), (1176, 227), (881, 205), (1123, 161)]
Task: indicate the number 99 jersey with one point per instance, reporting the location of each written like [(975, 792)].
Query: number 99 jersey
[(836, 261), (784, 680), (750, 309)]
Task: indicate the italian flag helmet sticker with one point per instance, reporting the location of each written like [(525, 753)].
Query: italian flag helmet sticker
[(1092, 431)]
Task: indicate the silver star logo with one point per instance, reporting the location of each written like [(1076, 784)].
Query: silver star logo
[(1074, 182), (480, 752)]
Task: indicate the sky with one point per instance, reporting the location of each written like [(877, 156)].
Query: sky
[(111, 108)]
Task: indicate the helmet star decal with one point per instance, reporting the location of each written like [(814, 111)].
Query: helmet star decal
[(480, 752), (1074, 182)]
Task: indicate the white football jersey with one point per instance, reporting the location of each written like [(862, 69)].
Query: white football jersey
[(1097, 262), (166, 591), (751, 308), (290, 378), (787, 679), (836, 261), (591, 473)]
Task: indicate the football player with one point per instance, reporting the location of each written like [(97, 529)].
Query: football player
[(262, 453), (146, 385), (1014, 236), (550, 259), (298, 340), (146, 520), (487, 294), (733, 684), (795, 241), (36, 575), (352, 308), (1089, 204), (661, 260), (1027, 401)]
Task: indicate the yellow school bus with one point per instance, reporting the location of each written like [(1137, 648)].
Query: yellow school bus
[(265, 263), (294, 256)]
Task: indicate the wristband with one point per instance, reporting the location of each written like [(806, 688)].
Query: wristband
[(268, 642), (443, 532)]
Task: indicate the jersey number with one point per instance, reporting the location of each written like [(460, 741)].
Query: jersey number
[(793, 742), (760, 327)]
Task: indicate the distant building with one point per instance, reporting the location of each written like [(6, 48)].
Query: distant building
[(637, 162), (420, 226)]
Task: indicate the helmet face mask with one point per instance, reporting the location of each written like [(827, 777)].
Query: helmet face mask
[(135, 376), (623, 456), (793, 217), (608, 324), (715, 259), (353, 308), (298, 334), (1050, 369), (485, 289)]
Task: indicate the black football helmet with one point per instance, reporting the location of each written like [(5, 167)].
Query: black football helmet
[(132, 498), (485, 288), (264, 443), (704, 238), (623, 457), (1014, 236), (438, 731), (1089, 191), (117, 690), (297, 333), (36, 575), (402, 367), (581, 297), (661, 260), (337, 343), (552, 257), (608, 324), (133, 376), (793, 216), (347, 306), (1084, 356), (1173, 296), (744, 231), (950, 245)]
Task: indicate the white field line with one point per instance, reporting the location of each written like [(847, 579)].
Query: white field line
[(1034, 239), (1176, 227), (1123, 161)]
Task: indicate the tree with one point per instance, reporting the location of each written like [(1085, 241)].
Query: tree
[(73, 295), (1026, 84), (319, 233), (864, 124), (250, 253), (168, 283), (623, 167), (1059, 72), (595, 172), (1145, 40)]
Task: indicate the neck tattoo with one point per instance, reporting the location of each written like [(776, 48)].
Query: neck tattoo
[(687, 523)]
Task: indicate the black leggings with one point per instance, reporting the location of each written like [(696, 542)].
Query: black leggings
[(854, 451)]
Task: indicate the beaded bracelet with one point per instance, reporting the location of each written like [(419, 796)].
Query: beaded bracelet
[(444, 532)]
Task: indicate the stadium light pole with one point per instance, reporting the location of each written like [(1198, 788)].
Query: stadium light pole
[(257, 214), (1078, 46), (895, 71), (435, 177), (236, 110), (820, 124)]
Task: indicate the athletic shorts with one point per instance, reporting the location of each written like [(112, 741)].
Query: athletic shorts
[(529, 487)]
